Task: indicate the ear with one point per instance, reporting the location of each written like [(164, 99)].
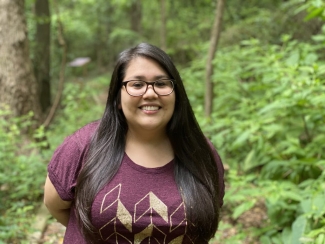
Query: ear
[(119, 106)]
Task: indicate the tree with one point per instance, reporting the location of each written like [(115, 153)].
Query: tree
[(163, 31), (63, 44), (215, 35), (18, 86), (103, 29), (135, 11), (42, 52)]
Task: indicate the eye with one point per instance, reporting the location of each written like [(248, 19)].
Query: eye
[(137, 84), (162, 83)]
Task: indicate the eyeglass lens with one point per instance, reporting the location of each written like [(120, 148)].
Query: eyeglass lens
[(138, 87)]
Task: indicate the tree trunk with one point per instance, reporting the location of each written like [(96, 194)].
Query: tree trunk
[(163, 35), (136, 16), (42, 52), (103, 30), (18, 87), (215, 35), (63, 44)]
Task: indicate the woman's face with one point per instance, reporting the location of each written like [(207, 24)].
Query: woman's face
[(149, 112)]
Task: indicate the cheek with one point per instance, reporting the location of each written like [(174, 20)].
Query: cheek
[(128, 102), (173, 101), (120, 102), (124, 100), (172, 105)]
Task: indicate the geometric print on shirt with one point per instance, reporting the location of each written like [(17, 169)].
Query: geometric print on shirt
[(144, 207)]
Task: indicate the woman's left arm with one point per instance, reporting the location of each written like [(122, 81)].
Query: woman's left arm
[(59, 208)]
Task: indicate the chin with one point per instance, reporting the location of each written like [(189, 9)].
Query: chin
[(152, 127)]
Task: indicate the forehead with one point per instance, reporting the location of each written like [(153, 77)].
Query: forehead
[(144, 67)]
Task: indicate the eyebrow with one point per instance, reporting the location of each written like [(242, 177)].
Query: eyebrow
[(141, 77)]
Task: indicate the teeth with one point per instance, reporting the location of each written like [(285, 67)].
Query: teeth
[(150, 108)]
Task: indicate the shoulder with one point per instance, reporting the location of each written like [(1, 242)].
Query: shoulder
[(79, 140), (214, 151), (82, 136), (68, 159)]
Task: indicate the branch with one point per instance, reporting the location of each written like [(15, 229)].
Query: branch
[(215, 36)]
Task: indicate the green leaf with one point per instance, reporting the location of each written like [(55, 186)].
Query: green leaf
[(273, 106), (306, 205), (298, 229), (293, 59), (248, 163), (315, 13), (243, 208), (242, 138), (286, 235), (320, 239), (301, 8), (318, 38), (293, 196), (319, 205), (265, 240), (311, 58), (317, 232)]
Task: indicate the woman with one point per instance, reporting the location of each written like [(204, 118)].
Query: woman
[(143, 173)]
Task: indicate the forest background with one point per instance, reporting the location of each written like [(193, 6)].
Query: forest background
[(268, 105)]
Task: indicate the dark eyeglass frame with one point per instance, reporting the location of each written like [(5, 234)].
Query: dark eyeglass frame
[(124, 83)]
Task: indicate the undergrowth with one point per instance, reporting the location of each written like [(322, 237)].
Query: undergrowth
[(268, 125), (24, 154)]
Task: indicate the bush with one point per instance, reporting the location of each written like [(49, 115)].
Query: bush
[(268, 121), (20, 170), (24, 161)]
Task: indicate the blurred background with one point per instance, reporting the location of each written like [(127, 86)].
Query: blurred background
[(254, 72)]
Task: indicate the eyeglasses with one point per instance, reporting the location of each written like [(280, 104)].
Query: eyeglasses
[(136, 88)]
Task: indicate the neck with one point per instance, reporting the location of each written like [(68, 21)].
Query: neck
[(149, 149), (144, 138)]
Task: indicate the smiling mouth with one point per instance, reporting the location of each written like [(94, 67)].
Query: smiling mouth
[(150, 108)]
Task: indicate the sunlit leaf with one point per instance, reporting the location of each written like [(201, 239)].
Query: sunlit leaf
[(245, 206), (298, 229)]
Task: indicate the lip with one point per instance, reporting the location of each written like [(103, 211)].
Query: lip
[(150, 105), (148, 112)]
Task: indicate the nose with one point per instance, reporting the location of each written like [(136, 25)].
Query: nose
[(150, 92)]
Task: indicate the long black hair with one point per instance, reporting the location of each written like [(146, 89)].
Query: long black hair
[(196, 172)]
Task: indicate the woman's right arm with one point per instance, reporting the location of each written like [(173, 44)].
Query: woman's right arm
[(59, 208)]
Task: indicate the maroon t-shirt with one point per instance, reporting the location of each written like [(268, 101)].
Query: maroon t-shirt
[(139, 205)]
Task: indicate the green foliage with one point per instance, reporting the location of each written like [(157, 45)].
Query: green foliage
[(101, 29), (268, 121), (314, 8), (83, 101), (20, 170), (24, 161)]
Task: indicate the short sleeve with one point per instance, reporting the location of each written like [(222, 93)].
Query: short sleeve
[(65, 165), (221, 172)]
